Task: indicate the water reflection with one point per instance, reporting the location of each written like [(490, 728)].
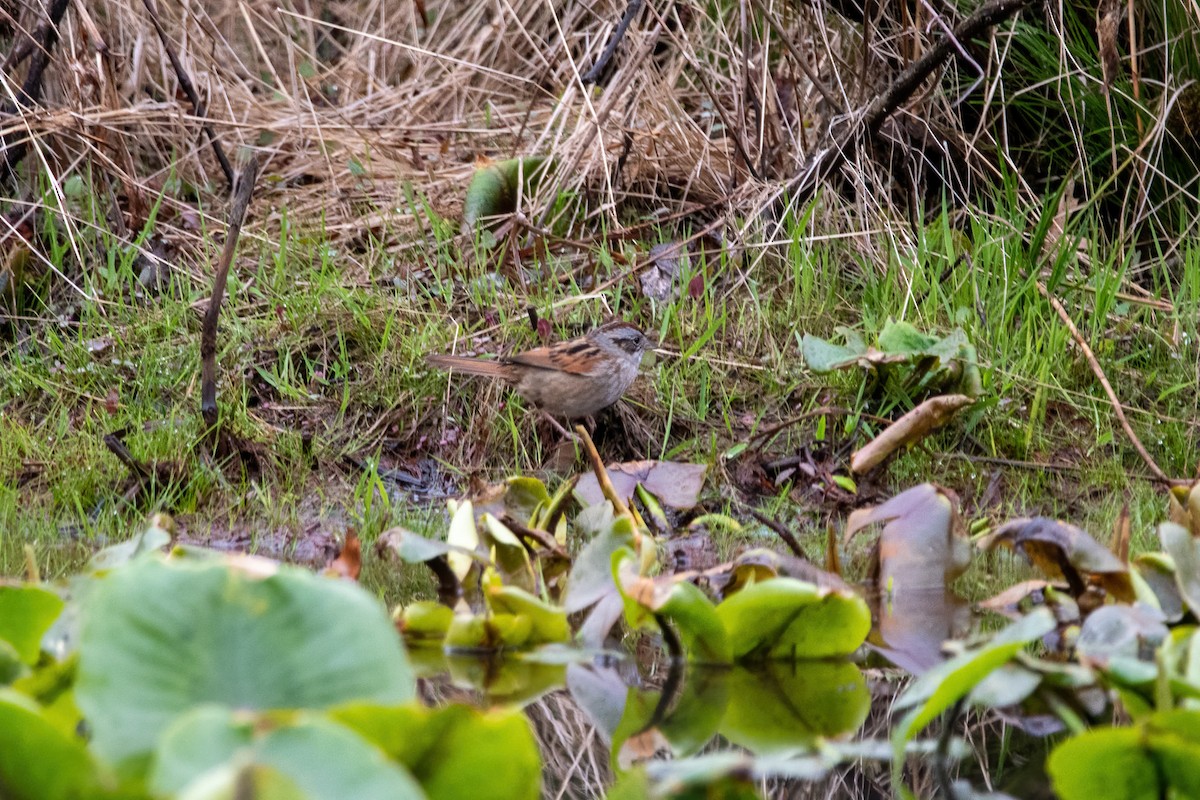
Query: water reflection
[(779, 709), (909, 626)]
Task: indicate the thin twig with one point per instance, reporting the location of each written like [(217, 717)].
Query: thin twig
[(788, 538), (185, 83), (824, 162), (208, 329), (606, 486), (543, 538), (1098, 371), (116, 446), (46, 35), (593, 74), (834, 102)]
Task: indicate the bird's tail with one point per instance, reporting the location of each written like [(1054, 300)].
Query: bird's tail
[(471, 366)]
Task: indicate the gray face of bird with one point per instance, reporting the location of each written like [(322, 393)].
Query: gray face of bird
[(622, 340)]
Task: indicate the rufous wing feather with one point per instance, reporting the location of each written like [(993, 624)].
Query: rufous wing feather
[(472, 366), (562, 357)]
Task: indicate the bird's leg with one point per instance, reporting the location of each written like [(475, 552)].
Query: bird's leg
[(558, 427)]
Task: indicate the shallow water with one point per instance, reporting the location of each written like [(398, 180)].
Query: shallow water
[(597, 715)]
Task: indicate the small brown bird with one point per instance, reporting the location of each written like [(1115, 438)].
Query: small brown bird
[(571, 379)]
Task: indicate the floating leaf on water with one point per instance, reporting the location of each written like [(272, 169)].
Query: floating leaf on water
[(424, 620), (548, 621), (159, 637), (782, 707), (456, 751), (789, 619), (1156, 757)]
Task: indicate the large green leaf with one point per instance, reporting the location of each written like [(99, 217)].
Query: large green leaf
[(548, 621), (592, 578), (823, 356), (789, 618), (159, 637), (26, 613), (1156, 758), (701, 631), (324, 759), (696, 716), (454, 751), (902, 338), (37, 760)]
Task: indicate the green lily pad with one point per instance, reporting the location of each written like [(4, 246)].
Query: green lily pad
[(160, 637)]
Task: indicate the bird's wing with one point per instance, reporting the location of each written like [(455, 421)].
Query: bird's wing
[(558, 357)]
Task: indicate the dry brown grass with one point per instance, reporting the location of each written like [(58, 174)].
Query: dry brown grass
[(349, 102), (712, 114)]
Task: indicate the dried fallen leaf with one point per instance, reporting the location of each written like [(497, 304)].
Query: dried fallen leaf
[(659, 279), (675, 484), (1108, 19), (912, 427)]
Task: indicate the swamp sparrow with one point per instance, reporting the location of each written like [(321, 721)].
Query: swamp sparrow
[(575, 378)]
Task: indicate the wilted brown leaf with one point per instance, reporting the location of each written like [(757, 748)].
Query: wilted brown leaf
[(923, 544), (1008, 601), (1108, 18), (1065, 552)]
